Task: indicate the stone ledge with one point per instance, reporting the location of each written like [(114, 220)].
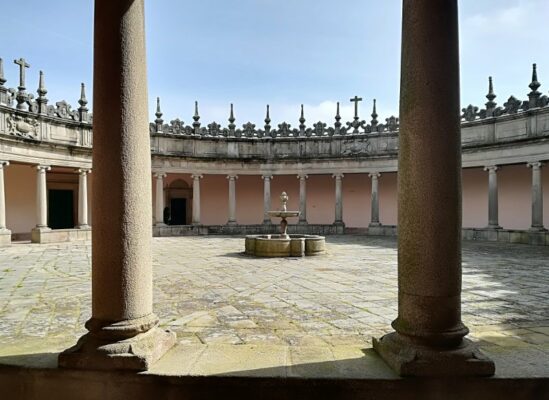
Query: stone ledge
[(40, 235)]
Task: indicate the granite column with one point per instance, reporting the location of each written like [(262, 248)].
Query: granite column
[(232, 199), (302, 198), (196, 198), (159, 199), (123, 330), (493, 208), (338, 199), (5, 233), (375, 199), (266, 198), (83, 199), (429, 334), (537, 197)]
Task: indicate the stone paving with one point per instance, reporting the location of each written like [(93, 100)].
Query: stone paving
[(208, 292)]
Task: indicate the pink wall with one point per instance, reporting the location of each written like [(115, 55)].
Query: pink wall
[(20, 187), (388, 198), (475, 197)]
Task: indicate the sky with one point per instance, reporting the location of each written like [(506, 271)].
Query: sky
[(278, 52)]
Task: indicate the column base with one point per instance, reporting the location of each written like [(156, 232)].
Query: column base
[(374, 224), (5, 237), (493, 227), (84, 227), (160, 225), (231, 223), (411, 359), (537, 229), (36, 233), (302, 222), (138, 353)]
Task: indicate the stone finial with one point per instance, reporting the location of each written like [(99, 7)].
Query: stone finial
[(374, 116), (232, 119), (302, 121), (158, 121), (337, 118), (22, 97), (196, 118), (284, 200), (83, 110), (267, 121), (534, 95), (356, 100), (490, 104), (2, 79), (42, 100)]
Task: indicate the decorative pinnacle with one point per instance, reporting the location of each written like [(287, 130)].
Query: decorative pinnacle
[(232, 119), (374, 115), (22, 65), (158, 112), (491, 104), (534, 85), (302, 119), (2, 79), (267, 119), (337, 117), (41, 86), (83, 101), (196, 117)]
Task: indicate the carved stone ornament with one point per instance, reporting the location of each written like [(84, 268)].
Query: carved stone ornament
[(22, 126)]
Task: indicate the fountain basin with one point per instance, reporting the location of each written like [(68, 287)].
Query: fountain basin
[(285, 245)]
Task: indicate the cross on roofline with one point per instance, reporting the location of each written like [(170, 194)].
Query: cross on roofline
[(22, 65), (355, 100)]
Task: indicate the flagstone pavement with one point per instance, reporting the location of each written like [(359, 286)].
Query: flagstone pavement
[(209, 292)]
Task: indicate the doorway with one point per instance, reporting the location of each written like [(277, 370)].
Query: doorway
[(60, 209), (178, 211)]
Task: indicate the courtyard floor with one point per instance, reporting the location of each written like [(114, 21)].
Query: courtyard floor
[(211, 294)]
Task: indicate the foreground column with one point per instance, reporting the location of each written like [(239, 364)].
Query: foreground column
[(266, 198), (196, 198), (429, 333), (375, 198), (302, 198), (537, 197), (41, 204), (232, 199), (338, 199), (123, 330), (83, 199), (493, 207), (159, 201), (5, 233)]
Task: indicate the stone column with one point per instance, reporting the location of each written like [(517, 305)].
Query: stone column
[(196, 198), (266, 198), (302, 198), (338, 199), (41, 197), (159, 202), (123, 330), (537, 197), (375, 198), (492, 197), (232, 199), (5, 233), (429, 338), (83, 199)]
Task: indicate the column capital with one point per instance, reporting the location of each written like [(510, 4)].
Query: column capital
[(338, 175), (374, 175), (84, 171), (232, 177), (159, 174), (302, 177), (491, 168), (43, 168), (197, 177), (4, 164), (535, 164), (266, 177)]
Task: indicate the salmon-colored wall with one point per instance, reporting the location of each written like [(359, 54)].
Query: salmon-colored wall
[(20, 188), (475, 197), (388, 198)]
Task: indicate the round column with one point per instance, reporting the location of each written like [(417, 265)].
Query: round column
[(266, 198), (5, 233), (83, 199), (123, 330), (196, 198), (493, 207), (302, 198), (374, 176), (159, 199), (429, 335), (537, 197), (232, 199), (338, 199), (41, 197)]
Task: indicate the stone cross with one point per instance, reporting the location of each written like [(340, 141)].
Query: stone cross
[(355, 100), (22, 65)]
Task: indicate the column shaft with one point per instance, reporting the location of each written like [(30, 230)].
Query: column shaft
[(375, 199), (159, 201), (83, 199), (3, 229), (41, 197), (493, 207), (232, 199), (302, 198), (338, 199), (429, 333), (196, 199), (123, 330), (537, 197), (266, 198)]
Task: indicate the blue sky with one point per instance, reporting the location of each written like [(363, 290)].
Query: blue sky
[(282, 53)]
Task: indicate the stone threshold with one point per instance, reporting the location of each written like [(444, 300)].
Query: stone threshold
[(268, 372)]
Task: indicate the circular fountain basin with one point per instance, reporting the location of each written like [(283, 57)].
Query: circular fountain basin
[(285, 246), (283, 214)]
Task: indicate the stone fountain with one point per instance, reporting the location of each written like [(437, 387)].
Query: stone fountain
[(284, 245)]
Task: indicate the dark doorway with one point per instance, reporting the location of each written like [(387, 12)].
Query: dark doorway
[(60, 209), (178, 212)]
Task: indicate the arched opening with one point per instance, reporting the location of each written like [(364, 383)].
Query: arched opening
[(178, 208)]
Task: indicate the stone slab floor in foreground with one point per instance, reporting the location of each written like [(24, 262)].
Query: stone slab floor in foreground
[(281, 312)]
